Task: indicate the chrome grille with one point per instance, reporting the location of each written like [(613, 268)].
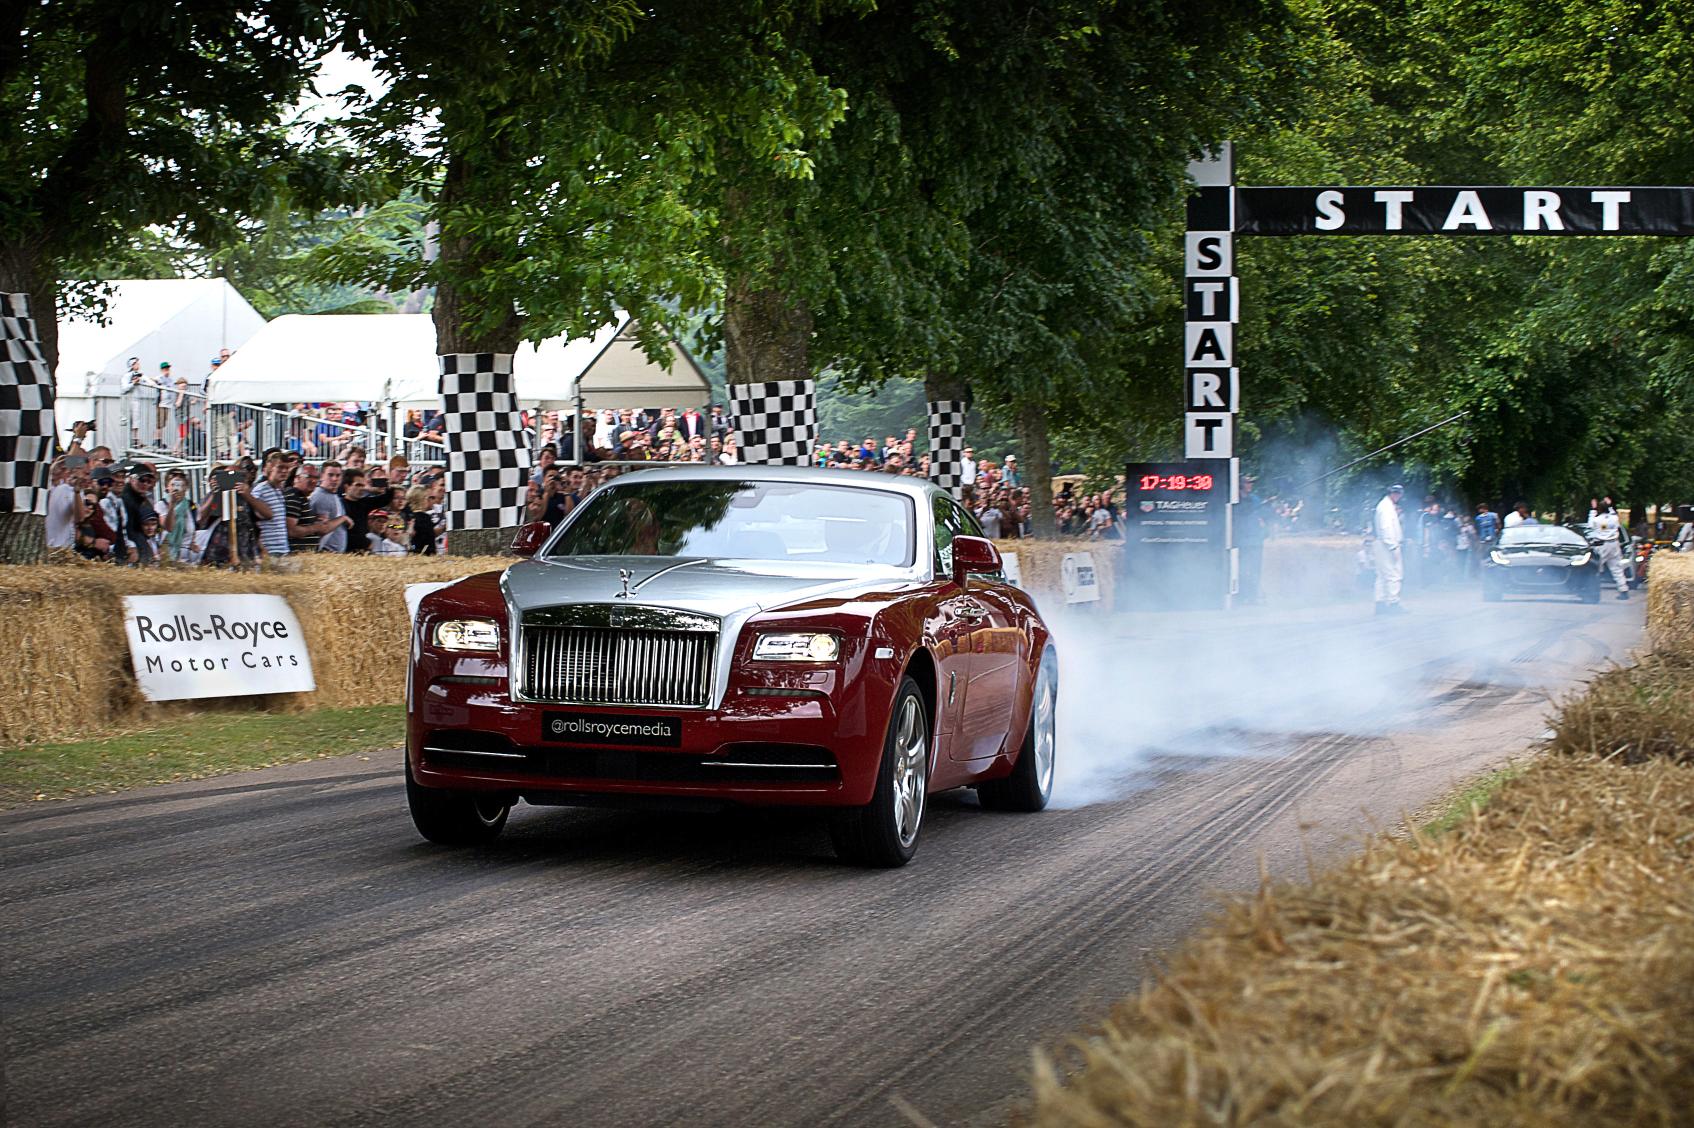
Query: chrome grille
[(614, 666)]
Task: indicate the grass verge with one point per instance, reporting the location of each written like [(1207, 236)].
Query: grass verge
[(1471, 799), (193, 748)]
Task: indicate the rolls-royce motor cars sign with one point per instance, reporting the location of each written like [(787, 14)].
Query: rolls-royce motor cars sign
[(191, 646)]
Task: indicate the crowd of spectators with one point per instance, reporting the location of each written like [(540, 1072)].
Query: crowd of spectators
[(118, 510), (318, 492)]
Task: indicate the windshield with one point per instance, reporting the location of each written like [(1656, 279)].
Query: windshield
[(1523, 535), (743, 521)]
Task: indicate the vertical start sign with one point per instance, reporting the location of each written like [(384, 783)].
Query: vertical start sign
[(1211, 296)]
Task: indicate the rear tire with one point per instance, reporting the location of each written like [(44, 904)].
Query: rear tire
[(455, 818), (884, 832), (1030, 785)]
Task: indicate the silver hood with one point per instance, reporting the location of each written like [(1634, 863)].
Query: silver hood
[(729, 591), (721, 588)]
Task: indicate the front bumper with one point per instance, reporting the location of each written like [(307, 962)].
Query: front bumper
[(784, 739), (1552, 579)]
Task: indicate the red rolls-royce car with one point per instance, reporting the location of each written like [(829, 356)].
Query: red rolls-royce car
[(736, 635)]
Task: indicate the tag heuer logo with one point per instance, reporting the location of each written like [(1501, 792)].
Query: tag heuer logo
[(1147, 507)]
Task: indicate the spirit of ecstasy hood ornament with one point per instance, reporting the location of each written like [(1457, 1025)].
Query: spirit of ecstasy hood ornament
[(623, 574)]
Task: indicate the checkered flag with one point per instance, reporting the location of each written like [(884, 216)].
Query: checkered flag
[(26, 411), (947, 444), (776, 424), (487, 451)]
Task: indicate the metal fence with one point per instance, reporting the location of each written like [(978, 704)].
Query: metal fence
[(183, 430)]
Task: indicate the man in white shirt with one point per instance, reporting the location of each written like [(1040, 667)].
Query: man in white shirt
[(1605, 529), (64, 501), (967, 469), (1518, 515), (1385, 550)]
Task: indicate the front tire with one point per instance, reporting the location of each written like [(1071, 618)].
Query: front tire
[(885, 831), (1030, 785), (455, 818)]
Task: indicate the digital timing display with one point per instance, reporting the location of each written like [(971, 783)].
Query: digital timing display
[(1176, 482)]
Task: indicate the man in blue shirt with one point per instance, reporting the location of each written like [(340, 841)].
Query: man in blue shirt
[(1487, 525)]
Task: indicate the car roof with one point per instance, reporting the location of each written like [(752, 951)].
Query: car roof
[(916, 488)]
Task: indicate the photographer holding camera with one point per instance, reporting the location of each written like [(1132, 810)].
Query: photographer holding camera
[(252, 510)]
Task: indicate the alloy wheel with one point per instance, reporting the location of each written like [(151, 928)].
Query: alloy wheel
[(911, 770)]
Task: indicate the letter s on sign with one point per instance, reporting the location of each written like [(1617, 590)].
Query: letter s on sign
[(1330, 216)]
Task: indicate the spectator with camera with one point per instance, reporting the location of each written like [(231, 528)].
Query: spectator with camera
[(259, 514), (177, 521)]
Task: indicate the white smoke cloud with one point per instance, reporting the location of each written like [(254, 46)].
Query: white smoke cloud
[(1143, 686)]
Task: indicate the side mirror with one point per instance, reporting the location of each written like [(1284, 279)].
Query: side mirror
[(530, 538), (973, 554)]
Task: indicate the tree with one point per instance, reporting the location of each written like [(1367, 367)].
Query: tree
[(158, 114)]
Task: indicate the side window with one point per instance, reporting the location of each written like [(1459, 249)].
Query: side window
[(945, 531), (951, 520), (970, 525)]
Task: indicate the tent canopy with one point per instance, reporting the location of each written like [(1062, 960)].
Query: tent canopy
[(311, 358), (182, 320)]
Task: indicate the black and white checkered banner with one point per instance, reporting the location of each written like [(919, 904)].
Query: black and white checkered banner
[(776, 424), (487, 453), (947, 444), (26, 411)]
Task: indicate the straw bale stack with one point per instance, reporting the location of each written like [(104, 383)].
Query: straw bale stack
[(1670, 603), (1041, 561), (1533, 966), (1296, 569), (1311, 570), (67, 671)]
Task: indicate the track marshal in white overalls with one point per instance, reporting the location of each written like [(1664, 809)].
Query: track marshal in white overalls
[(1390, 565), (1606, 531)]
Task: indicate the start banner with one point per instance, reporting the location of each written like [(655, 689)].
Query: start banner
[(189, 646)]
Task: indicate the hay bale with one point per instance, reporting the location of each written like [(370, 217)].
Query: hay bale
[(1311, 570), (68, 672), (1533, 966), (1041, 563), (1670, 603)]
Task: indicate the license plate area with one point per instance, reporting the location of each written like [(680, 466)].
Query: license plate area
[(610, 730)]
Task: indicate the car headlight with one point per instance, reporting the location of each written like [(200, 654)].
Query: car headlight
[(1579, 561), (800, 646), (1497, 556), (467, 634)]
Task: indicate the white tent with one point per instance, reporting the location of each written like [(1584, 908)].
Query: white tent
[(181, 320), (330, 357), (314, 358)]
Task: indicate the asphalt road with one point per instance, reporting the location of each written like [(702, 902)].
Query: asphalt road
[(279, 947)]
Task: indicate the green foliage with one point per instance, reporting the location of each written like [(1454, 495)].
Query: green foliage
[(152, 115)]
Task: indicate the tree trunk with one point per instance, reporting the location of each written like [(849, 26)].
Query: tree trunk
[(24, 270), (947, 399), (484, 500), (29, 443), (767, 335), (1031, 425)]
